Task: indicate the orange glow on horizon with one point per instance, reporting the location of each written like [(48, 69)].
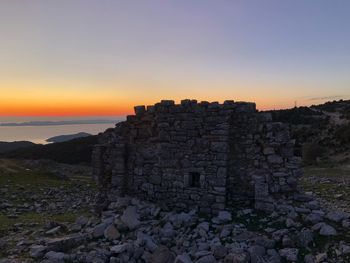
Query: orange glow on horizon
[(79, 109), (58, 108), (65, 111)]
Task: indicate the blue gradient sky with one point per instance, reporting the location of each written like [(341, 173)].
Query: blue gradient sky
[(101, 57)]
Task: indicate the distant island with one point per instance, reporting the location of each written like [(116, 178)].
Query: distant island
[(64, 138), (52, 123)]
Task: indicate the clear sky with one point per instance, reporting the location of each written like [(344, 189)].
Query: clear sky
[(101, 57)]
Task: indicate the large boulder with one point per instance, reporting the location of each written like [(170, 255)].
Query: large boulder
[(130, 217)]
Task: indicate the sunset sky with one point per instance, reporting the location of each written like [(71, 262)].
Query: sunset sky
[(102, 57)]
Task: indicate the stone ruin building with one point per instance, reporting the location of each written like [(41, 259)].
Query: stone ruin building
[(206, 155)]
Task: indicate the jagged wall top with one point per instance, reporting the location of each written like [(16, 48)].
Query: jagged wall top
[(170, 106)]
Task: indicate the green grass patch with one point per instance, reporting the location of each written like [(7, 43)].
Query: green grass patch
[(340, 172), (330, 183), (7, 224)]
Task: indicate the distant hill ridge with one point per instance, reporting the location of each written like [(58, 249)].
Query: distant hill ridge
[(76, 151), (322, 131), (68, 137), (10, 146)]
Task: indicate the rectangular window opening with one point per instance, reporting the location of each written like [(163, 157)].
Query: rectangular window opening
[(194, 179)]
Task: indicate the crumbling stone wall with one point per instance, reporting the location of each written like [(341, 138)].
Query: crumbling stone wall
[(205, 155)]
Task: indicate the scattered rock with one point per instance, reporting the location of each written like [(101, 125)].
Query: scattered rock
[(337, 216), (130, 217), (206, 259), (119, 248), (111, 232), (184, 258), (37, 251), (290, 254), (321, 257), (327, 230), (162, 255)]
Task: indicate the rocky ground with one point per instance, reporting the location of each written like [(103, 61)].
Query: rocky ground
[(47, 219), (331, 185), (33, 194)]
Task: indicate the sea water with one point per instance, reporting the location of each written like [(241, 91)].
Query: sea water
[(39, 134)]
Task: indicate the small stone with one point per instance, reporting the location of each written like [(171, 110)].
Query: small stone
[(345, 249), (162, 255), (119, 248), (321, 257), (346, 223), (237, 258), (314, 218), (327, 230), (256, 252), (219, 251), (184, 258), (274, 256), (37, 251), (130, 217), (287, 241), (274, 159), (277, 235), (305, 237), (290, 223), (309, 259), (99, 230), (56, 256), (81, 220), (226, 231), (111, 233), (65, 243), (337, 216), (290, 254), (53, 231), (224, 217), (206, 259)]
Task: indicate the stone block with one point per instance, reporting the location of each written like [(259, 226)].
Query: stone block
[(140, 109), (167, 102)]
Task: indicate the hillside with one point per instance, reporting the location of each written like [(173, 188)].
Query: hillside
[(10, 146), (322, 132), (71, 152)]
